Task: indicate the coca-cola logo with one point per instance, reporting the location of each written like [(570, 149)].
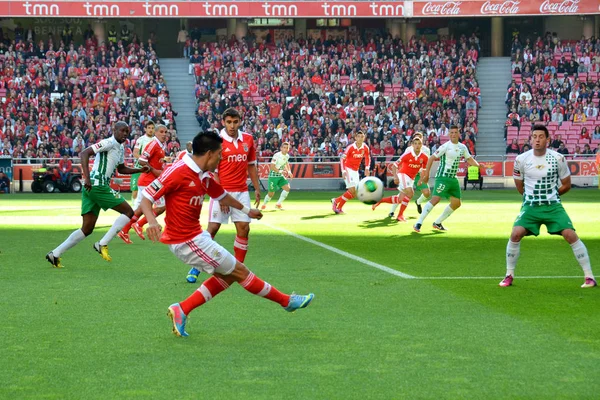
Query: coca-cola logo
[(564, 7), (447, 8), (507, 7)]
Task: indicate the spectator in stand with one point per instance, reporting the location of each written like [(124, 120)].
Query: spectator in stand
[(4, 183), (596, 134), (182, 38), (585, 135), (557, 142), (525, 148), (587, 150), (579, 116), (513, 148), (577, 151), (562, 149)]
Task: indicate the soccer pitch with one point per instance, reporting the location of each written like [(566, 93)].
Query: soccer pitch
[(396, 315)]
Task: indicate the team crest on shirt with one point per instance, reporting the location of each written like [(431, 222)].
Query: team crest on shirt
[(216, 254), (245, 146)]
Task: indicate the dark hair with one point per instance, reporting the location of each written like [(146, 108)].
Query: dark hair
[(206, 141), (231, 112), (120, 125), (150, 123), (541, 128), (453, 127)]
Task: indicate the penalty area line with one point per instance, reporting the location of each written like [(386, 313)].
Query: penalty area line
[(448, 278), (342, 253)]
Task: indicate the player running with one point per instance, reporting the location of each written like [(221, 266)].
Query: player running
[(183, 186), (409, 166), (446, 185), (279, 174), (97, 193), (537, 174), (350, 162), (423, 187), (238, 163), (152, 156), (140, 144)]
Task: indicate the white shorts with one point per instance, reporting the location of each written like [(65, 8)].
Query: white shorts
[(405, 181), (205, 254), (138, 200), (219, 217), (352, 178)]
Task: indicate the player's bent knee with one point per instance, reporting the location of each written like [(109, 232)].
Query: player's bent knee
[(570, 235), (517, 234), (242, 229)]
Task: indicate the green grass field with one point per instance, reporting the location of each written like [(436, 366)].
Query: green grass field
[(98, 330)]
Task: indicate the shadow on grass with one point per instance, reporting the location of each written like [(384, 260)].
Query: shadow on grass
[(321, 216)]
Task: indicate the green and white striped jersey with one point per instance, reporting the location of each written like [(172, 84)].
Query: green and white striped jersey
[(541, 176), (450, 155), (280, 162), (109, 154), (141, 143)]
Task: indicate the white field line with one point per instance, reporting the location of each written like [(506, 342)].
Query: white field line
[(396, 272)]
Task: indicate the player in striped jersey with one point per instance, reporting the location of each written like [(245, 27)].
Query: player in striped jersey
[(542, 176), (446, 185), (97, 193), (279, 174)]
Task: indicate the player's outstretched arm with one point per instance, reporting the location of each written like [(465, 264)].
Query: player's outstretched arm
[(425, 175), (125, 170), (230, 201), (85, 167)]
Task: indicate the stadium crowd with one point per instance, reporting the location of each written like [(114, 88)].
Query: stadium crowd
[(555, 82), (60, 96), (317, 94)]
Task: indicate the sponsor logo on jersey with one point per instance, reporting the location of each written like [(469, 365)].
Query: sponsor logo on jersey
[(192, 184), (196, 200), (237, 158)]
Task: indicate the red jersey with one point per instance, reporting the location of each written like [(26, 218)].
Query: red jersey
[(410, 164), (152, 154), (353, 156), (237, 155), (183, 186), (180, 155)]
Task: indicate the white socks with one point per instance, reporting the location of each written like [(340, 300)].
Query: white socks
[(74, 238), (426, 210), (581, 254), (282, 197), (394, 207), (119, 223), (421, 199), (513, 250), (267, 199), (447, 212)]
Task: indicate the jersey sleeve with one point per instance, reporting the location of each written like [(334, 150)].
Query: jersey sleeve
[(213, 188), (518, 169), (251, 152), (122, 155), (344, 156), (441, 151), (161, 186), (466, 153), (148, 151), (563, 168), (138, 143), (275, 158), (367, 157), (424, 159), (102, 146)]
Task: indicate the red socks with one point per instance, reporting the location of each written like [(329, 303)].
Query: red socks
[(257, 286), (240, 248), (405, 201), (127, 227), (343, 199), (209, 289), (143, 221)]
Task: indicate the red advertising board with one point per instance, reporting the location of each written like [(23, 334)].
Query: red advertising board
[(290, 9)]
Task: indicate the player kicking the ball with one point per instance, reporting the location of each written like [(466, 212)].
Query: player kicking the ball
[(350, 163), (183, 186), (409, 166), (542, 176), (278, 176)]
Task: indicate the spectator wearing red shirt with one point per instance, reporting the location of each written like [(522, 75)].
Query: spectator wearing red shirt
[(65, 167)]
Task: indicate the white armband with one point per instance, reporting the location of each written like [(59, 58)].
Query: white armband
[(245, 210)]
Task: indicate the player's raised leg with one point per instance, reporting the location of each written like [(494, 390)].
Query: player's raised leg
[(87, 227)]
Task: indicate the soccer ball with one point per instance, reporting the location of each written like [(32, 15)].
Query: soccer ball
[(369, 190)]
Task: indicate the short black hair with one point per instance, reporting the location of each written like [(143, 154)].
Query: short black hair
[(206, 141), (454, 127), (150, 123), (231, 112), (540, 127), (120, 125)]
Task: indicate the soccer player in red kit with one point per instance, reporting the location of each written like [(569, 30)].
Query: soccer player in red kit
[(183, 186), (409, 164), (350, 161), (238, 162), (152, 155)]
